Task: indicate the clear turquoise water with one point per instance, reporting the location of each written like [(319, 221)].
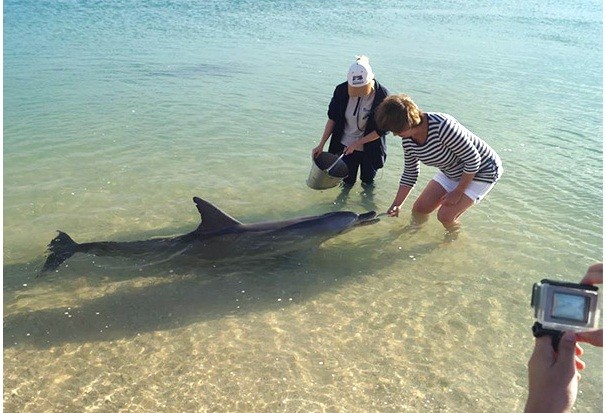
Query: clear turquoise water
[(117, 113)]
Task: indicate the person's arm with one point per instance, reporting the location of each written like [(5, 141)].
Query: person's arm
[(328, 128), (412, 167), (553, 379), (394, 209), (372, 136)]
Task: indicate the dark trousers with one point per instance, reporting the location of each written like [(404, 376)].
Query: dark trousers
[(358, 160)]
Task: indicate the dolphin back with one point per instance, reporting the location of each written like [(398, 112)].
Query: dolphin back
[(60, 248)]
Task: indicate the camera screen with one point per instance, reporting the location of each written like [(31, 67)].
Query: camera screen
[(569, 306)]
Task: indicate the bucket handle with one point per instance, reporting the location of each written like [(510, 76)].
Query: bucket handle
[(327, 170)]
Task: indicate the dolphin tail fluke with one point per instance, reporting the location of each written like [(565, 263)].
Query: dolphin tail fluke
[(60, 248)]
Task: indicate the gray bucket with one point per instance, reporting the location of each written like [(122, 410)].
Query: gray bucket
[(320, 178)]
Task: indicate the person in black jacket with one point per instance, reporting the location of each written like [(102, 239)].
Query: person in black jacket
[(351, 125)]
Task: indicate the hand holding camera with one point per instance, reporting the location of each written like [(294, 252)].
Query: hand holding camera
[(594, 276), (569, 312)]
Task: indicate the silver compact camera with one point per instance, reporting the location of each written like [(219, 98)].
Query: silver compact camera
[(563, 306)]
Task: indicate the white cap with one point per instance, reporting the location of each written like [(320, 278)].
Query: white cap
[(360, 73), (360, 77)]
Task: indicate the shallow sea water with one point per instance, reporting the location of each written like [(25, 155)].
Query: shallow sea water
[(117, 113)]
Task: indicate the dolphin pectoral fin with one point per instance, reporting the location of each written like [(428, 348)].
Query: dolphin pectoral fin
[(213, 219)]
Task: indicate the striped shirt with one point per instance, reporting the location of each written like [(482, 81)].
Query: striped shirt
[(451, 148)]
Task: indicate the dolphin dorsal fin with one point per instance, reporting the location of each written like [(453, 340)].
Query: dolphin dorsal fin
[(213, 219)]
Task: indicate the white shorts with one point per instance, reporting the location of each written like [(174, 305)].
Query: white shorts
[(476, 190)]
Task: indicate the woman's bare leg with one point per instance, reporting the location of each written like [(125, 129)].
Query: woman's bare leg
[(449, 215), (429, 200)]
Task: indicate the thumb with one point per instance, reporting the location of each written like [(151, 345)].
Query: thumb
[(592, 337)]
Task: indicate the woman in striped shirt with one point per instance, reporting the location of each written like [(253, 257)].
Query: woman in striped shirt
[(468, 167)]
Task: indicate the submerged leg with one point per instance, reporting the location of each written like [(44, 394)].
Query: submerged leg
[(429, 200), (449, 215), (341, 199)]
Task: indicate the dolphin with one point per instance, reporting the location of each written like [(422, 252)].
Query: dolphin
[(219, 236)]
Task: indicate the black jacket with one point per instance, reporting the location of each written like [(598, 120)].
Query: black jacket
[(377, 149)]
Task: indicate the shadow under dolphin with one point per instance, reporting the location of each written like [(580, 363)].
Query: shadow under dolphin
[(219, 236), (188, 296)]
